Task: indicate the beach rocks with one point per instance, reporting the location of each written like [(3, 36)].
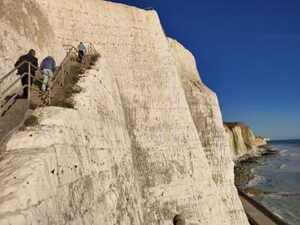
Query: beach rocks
[(244, 164), (243, 174), (256, 191)]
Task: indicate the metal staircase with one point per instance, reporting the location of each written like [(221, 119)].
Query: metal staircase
[(13, 110)]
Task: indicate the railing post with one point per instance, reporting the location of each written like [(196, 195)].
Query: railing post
[(49, 102), (63, 75), (0, 100), (29, 83)]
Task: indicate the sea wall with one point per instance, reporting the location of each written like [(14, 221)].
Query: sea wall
[(242, 140), (144, 142)]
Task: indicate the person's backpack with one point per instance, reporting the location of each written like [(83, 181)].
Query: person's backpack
[(20, 69), (17, 63)]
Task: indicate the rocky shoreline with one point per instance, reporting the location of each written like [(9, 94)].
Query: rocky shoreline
[(243, 165)]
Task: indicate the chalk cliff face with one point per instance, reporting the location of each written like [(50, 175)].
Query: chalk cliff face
[(242, 139), (145, 141), (205, 111), (260, 141)]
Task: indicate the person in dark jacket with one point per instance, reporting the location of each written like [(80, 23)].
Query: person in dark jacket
[(24, 68), (48, 67)]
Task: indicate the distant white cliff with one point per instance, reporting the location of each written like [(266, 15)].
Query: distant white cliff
[(242, 140), (145, 140)]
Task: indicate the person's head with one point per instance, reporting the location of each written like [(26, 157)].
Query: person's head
[(49, 57), (32, 52), (178, 220)]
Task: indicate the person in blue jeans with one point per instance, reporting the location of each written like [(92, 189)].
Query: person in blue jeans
[(48, 67)]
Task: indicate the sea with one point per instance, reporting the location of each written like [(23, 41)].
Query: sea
[(279, 174)]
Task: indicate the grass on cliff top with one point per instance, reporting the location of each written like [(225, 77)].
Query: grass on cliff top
[(30, 121), (68, 104), (65, 100)]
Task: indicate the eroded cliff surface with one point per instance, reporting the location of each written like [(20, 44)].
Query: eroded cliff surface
[(205, 110), (145, 141), (242, 140)]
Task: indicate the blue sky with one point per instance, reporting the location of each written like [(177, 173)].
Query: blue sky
[(248, 52)]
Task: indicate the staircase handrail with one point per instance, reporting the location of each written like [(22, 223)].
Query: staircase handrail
[(27, 62), (30, 65), (71, 52), (67, 47), (72, 49), (7, 104), (89, 45), (92, 47), (16, 68), (12, 88), (91, 50)]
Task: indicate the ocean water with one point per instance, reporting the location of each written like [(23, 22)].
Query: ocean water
[(280, 175)]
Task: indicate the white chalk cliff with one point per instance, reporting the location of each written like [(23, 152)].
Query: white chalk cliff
[(145, 140), (242, 139)]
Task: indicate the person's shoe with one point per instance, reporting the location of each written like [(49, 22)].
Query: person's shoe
[(43, 87), (23, 96)]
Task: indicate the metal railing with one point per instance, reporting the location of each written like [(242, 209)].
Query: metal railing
[(14, 89), (276, 219), (10, 93), (88, 55)]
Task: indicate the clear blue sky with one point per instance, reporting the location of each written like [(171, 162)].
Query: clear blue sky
[(248, 52)]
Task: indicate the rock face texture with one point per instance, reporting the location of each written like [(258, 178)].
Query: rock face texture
[(145, 141), (260, 141), (205, 110), (241, 139)]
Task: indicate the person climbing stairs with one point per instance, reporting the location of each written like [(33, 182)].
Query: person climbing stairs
[(13, 109)]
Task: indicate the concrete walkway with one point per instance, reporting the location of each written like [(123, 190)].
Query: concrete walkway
[(255, 214)]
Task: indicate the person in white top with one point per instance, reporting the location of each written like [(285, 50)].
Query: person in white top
[(81, 51)]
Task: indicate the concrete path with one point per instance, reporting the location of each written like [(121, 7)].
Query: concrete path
[(255, 214)]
